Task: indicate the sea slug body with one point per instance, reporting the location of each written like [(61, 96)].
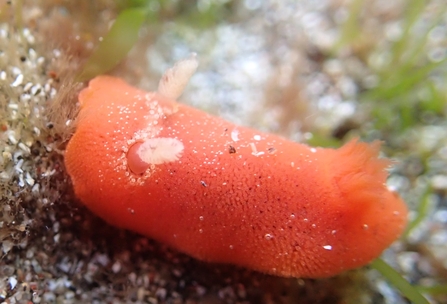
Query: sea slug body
[(225, 193)]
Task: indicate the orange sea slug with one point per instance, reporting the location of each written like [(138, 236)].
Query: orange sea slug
[(226, 193)]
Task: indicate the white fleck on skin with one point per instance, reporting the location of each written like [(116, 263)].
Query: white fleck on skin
[(254, 150), (268, 236), (174, 80), (160, 150), (235, 135)]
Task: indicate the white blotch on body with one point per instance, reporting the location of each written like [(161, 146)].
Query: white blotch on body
[(160, 150)]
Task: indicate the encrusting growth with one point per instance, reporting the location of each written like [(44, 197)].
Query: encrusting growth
[(226, 193)]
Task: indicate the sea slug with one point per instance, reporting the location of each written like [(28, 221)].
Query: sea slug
[(226, 193)]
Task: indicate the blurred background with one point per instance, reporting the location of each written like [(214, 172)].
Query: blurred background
[(317, 72)]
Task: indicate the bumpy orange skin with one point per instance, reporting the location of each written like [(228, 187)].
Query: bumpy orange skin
[(235, 195)]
